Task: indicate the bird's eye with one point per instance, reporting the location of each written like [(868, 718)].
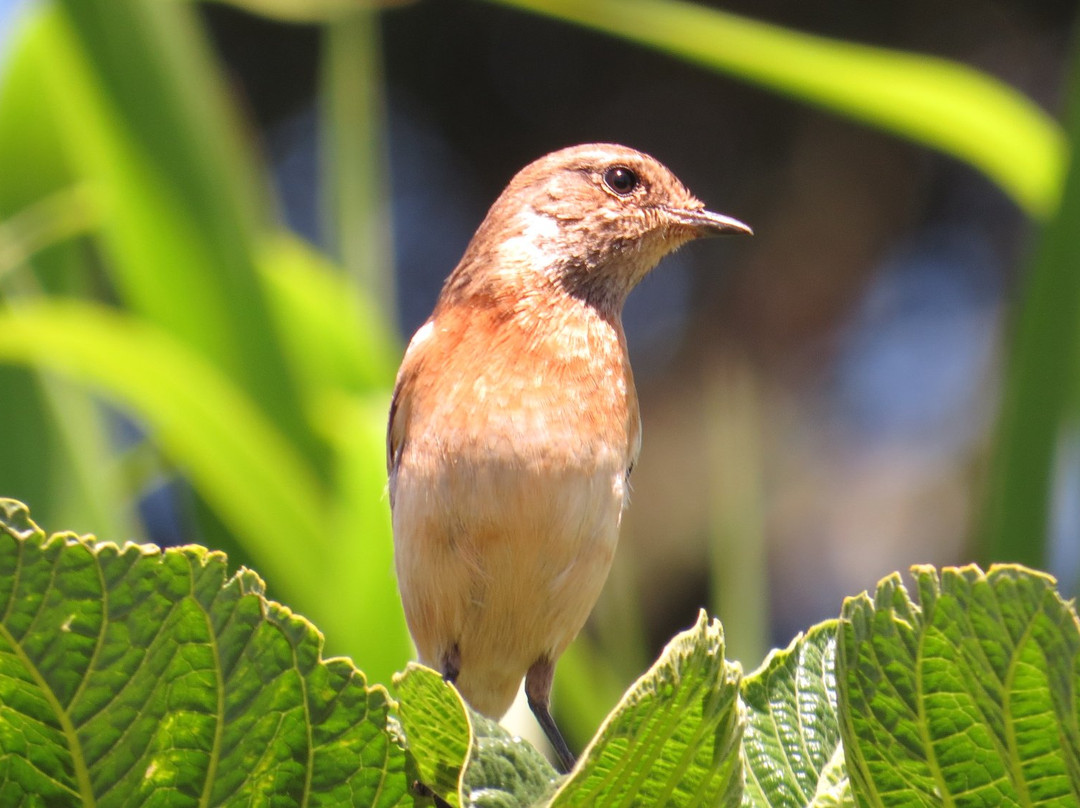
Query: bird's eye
[(621, 180)]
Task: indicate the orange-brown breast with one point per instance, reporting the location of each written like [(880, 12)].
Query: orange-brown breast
[(525, 388)]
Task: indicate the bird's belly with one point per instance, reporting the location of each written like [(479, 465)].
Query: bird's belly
[(503, 559)]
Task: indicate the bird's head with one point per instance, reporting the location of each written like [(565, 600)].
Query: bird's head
[(590, 220)]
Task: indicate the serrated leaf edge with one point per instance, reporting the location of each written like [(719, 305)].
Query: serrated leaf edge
[(248, 582), (928, 579), (416, 666)]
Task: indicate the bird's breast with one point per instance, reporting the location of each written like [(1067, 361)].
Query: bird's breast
[(547, 392)]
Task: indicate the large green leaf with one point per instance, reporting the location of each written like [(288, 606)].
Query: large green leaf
[(135, 676), (674, 737), (969, 697), (791, 746), (132, 675), (941, 104)]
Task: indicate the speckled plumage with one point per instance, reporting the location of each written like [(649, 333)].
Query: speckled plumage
[(515, 422)]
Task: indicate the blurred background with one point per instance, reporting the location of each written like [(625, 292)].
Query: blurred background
[(220, 223)]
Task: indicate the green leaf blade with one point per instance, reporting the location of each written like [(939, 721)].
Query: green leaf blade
[(464, 757), (438, 729), (186, 687), (504, 771), (674, 737), (967, 697), (144, 120), (791, 745), (36, 739), (241, 463)]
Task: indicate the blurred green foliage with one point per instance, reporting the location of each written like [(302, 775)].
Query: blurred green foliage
[(142, 265), (259, 371), (1040, 408)]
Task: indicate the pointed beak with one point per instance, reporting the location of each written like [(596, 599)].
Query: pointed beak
[(707, 223)]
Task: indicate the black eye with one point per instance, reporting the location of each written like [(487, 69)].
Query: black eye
[(621, 180)]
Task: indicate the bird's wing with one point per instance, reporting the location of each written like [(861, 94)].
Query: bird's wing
[(401, 403), (399, 419), (395, 430)]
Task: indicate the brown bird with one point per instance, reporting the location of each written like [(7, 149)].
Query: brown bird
[(514, 424)]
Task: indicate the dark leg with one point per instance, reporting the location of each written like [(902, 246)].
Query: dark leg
[(538, 691), (451, 664), (420, 790)]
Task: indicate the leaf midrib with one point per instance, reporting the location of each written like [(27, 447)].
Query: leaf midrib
[(82, 774), (219, 670)]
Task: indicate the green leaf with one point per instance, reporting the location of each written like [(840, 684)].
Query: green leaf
[(55, 432), (132, 675), (437, 730), (462, 756), (834, 787), (32, 155), (969, 697), (209, 428), (142, 109), (674, 737), (504, 771), (941, 104), (306, 10), (1040, 401), (334, 335), (791, 745)]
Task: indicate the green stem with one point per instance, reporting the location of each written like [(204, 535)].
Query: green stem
[(737, 532), (354, 177)]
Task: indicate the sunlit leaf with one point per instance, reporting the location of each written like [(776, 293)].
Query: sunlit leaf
[(336, 336), (437, 730), (968, 697), (674, 737), (131, 675), (504, 771), (791, 745), (51, 428), (141, 108)]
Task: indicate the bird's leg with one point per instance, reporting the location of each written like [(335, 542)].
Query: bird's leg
[(451, 664), (538, 691), (421, 790)]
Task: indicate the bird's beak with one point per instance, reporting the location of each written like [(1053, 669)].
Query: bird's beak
[(707, 223)]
